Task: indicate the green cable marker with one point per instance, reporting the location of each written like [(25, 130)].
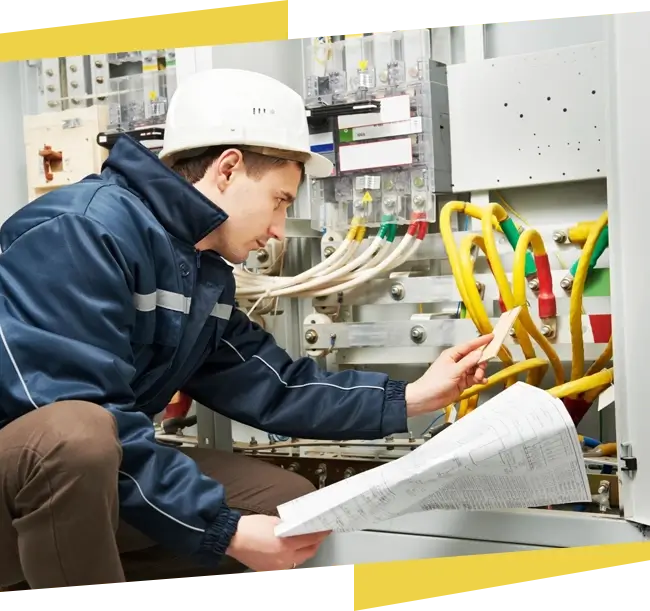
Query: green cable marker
[(599, 248), (512, 235)]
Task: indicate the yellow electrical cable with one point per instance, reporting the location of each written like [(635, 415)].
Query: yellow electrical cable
[(575, 307), (531, 237), (588, 385), (591, 395), (490, 247), (601, 362), (501, 376), (474, 302), (576, 387)]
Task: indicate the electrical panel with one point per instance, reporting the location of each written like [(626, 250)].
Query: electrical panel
[(378, 108)]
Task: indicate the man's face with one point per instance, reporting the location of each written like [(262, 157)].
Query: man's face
[(256, 206)]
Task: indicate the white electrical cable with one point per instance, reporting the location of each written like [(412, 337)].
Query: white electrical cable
[(252, 283), (406, 249), (339, 273)]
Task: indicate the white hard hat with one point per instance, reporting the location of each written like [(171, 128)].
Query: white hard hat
[(239, 107)]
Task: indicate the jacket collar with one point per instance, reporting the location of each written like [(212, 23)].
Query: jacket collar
[(182, 210)]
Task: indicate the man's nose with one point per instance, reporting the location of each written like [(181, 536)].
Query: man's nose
[(278, 230)]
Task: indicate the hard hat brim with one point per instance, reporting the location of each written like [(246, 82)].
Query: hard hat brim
[(318, 166)]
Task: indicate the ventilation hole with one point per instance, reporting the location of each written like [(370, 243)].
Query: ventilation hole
[(530, 177), (564, 110), (548, 99), (598, 139), (506, 104), (521, 116), (593, 92), (597, 170), (563, 173)]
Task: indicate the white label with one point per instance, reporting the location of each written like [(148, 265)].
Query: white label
[(403, 128), (376, 155), (391, 110), (394, 109), (606, 398)]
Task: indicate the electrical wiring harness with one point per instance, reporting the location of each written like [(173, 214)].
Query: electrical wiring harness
[(345, 270), (579, 392)]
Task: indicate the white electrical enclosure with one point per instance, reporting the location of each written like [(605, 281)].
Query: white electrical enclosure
[(529, 119), (628, 137)]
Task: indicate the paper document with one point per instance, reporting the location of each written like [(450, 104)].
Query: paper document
[(520, 449), (501, 330)]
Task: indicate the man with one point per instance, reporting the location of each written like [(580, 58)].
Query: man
[(113, 296)]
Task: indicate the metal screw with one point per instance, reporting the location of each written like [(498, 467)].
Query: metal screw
[(329, 251), (512, 332), (566, 283), (559, 237), (51, 88), (262, 255), (546, 331), (99, 64), (533, 284), (74, 84), (100, 79), (311, 337), (253, 441), (49, 72), (418, 335), (52, 104), (73, 68), (349, 472), (397, 292)]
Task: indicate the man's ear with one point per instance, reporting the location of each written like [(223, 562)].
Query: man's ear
[(225, 168)]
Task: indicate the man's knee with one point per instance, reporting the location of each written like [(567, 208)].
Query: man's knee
[(288, 486), (89, 438), (79, 436)]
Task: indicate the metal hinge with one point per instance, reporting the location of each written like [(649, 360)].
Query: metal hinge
[(629, 460)]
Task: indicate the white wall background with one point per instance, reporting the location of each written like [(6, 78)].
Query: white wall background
[(13, 172)]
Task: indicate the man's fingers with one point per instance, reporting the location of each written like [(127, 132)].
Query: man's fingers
[(467, 348), (306, 541), (468, 364), (306, 553)]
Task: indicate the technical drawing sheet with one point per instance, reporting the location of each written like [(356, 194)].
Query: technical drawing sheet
[(518, 450)]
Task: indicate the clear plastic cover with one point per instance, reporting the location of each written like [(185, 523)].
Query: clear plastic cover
[(390, 163), (140, 100)]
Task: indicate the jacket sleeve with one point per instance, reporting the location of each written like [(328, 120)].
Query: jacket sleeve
[(66, 314), (250, 379)]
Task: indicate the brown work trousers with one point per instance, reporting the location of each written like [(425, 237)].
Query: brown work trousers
[(59, 515)]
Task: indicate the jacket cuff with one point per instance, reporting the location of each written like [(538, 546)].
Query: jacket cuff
[(218, 535), (394, 418)]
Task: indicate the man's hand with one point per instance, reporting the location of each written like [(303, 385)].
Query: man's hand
[(256, 546), (455, 370)]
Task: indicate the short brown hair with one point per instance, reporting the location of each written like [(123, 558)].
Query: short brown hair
[(193, 165)]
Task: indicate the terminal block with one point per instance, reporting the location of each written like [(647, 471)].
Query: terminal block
[(378, 108)]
